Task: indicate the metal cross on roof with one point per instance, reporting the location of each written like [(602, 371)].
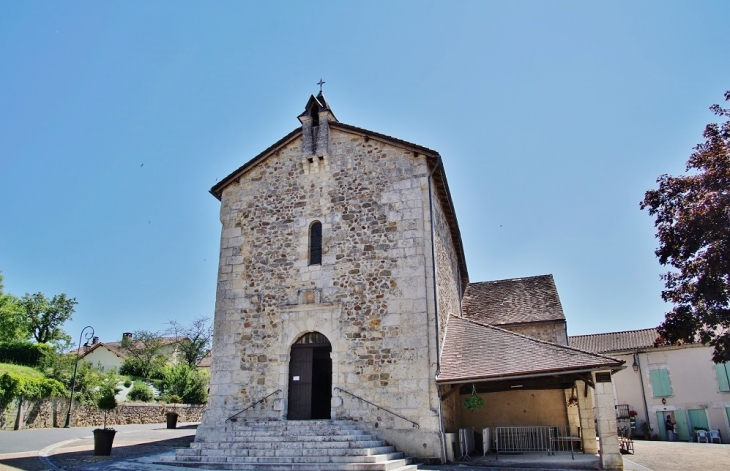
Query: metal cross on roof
[(320, 83)]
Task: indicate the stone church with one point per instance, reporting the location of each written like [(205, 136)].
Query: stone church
[(344, 297)]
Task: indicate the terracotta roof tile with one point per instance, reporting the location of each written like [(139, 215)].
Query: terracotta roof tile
[(116, 347), (474, 351), (517, 300), (615, 341)]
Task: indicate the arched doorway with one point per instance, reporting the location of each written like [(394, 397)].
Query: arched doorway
[(310, 378)]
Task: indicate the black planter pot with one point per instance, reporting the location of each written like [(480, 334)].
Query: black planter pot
[(103, 439), (171, 420)]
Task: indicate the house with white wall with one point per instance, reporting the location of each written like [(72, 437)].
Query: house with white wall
[(107, 355), (681, 381)]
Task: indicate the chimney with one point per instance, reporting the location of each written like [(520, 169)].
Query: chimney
[(95, 340), (126, 336)]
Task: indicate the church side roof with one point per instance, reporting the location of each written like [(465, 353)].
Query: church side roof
[(615, 341), (433, 158), (479, 352), (517, 300)]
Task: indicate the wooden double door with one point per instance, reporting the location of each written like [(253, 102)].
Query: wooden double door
[(310, 378)]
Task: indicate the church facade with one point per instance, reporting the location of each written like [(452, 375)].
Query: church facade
[(341, 279)]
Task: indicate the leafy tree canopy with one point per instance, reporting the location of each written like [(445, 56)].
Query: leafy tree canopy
[(693, 227), (190, 385), (145, 354), (45, 317), (194, 340), (12, 321)]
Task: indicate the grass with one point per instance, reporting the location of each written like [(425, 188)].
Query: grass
[(20, 370)]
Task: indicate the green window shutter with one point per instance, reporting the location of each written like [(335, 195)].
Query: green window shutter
[(660, 383), (698, 419), (723, 376)]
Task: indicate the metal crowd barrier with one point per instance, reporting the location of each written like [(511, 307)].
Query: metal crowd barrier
[(545, 439), (466, 443)]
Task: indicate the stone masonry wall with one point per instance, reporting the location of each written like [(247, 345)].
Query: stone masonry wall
[(554, 333), (447, 270), (52, 413), (369, 292)]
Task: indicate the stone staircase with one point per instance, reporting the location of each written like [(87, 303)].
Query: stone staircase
[(306, 445)]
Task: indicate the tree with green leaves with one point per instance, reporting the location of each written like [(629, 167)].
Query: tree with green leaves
[(45, 316), (194, 340), (186, 382), (106, 393), (692, 217), (145, 354), (13, 326)]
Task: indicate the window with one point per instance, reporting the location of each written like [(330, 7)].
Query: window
[(723, 376), (660, 383), (315, 243)]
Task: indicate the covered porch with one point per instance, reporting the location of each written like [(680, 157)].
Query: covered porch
[(539, 400)]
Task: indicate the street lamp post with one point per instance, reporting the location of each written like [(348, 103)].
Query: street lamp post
[(89, 336)]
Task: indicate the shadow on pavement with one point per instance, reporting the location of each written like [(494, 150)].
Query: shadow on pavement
[(73, 459), (31, 463)]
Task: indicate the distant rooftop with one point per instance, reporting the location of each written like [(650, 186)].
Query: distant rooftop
[(615, 341)]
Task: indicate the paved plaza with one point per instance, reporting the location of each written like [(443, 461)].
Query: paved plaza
[(141, 447)]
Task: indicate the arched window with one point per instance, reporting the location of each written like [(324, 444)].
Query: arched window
[(315, 243)]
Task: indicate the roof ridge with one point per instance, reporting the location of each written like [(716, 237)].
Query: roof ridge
[(511, 279), (613, 333), (527, 337), (350, 127)]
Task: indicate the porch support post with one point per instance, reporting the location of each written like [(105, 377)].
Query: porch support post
[(587, 424), (606, 419)]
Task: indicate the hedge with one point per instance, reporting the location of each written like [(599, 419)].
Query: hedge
[(24, 353), (13, 386)]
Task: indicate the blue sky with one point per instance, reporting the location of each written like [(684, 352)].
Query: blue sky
[(552, 118)]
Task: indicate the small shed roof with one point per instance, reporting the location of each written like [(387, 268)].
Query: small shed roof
[(479, 352)]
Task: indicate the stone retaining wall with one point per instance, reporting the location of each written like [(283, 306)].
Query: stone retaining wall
[(52, 413)]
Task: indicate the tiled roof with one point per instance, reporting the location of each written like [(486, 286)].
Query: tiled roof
[(517, 300), (615, 341), (474, 351), (116, 347)]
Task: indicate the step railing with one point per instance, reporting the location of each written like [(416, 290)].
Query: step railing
[(233, 417), (414, 424)]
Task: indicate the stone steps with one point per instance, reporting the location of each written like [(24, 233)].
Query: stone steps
[(245, 449), (297, 459), (292, 445), (294, 456), (289, 435), (298, 467)]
